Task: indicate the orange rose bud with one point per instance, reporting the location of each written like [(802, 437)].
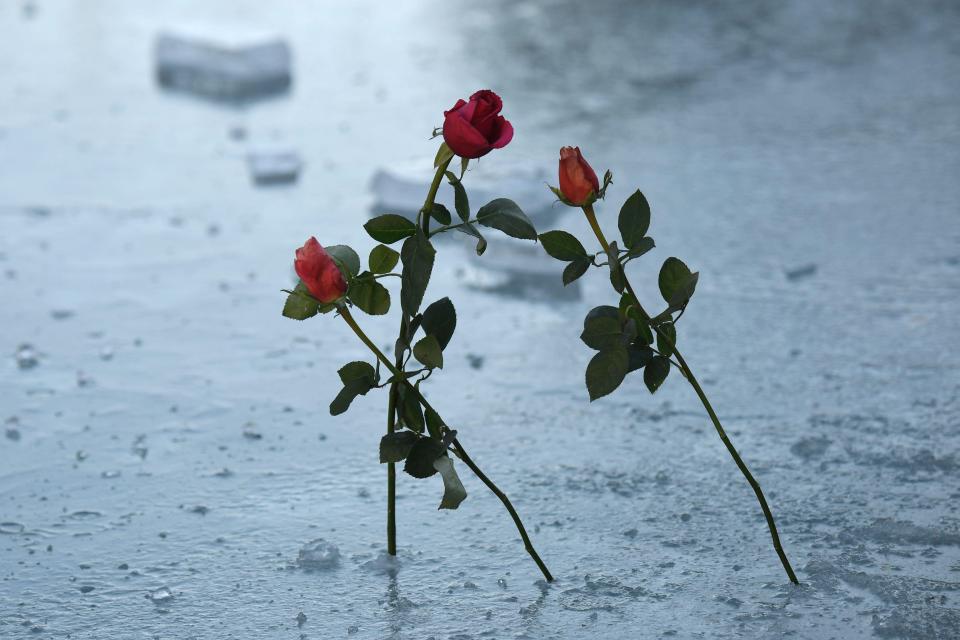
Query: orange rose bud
[(577, 179), (319, 272)]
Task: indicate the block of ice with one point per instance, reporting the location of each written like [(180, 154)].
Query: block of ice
[(274, 167), (242, 67)]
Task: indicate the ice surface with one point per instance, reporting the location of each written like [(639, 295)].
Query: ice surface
[(767, 136), (239, 68)]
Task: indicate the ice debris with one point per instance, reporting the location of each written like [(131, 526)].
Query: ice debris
[(237, 68), (319, 554), (274, 167)]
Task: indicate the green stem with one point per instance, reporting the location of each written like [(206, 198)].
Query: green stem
[(432, 195), (771, 524), (451, 226), (348, 318), (392, 393), (391, 477)]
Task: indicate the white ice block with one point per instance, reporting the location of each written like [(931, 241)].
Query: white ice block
[(229, 69)]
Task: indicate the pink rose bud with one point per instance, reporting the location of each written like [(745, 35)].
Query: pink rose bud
[(577, 179), (475, 128), (319, 272)]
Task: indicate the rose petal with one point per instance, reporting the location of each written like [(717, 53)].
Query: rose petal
[(465, 140), (505, 134)]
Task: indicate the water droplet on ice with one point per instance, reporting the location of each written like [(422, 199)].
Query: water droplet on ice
[(319, 554)]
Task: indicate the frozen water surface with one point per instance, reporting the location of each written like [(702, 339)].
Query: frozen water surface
[(802, 156)]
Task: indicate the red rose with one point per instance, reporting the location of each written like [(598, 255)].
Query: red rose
[(473, 129), (577, 179), (319, 272)]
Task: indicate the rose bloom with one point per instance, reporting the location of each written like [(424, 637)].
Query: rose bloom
[(577, 178), (475, 128), (319, 272)]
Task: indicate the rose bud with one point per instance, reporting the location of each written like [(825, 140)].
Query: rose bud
[(475, 128), (319, 272), (578, 182)]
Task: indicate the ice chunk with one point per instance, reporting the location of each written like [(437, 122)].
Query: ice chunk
[(274, 167), (236, 68), (160, 596), (26, 356), (319, 554)]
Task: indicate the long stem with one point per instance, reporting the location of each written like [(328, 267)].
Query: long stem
[(392, 392), (391, 477), (348, 318), (506, 503), (685, 368), (432, 195)]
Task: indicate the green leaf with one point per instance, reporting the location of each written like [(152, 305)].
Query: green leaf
[(358, 371), (505, 215), (606, 371), (410, 412), (640, 247), (434, 424), (460, 201), (639, 356), (358, 378), (670, 330), (644, 333), (421, 456), (617, 278), (369, 295), (428, 352), (440, 213), (395, 446), (634, 219), (417, 255), (342, 402), (677, 284), (347, 258), (471, 230), (383, 259), (390, 227), (300, 305), (560, 196), (576, 269), (656, 372), (440, 320), (562, 245), (453, 491), (444, 154), (602, 328)]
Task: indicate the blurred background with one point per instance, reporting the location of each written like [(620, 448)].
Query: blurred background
[(168, 466)]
